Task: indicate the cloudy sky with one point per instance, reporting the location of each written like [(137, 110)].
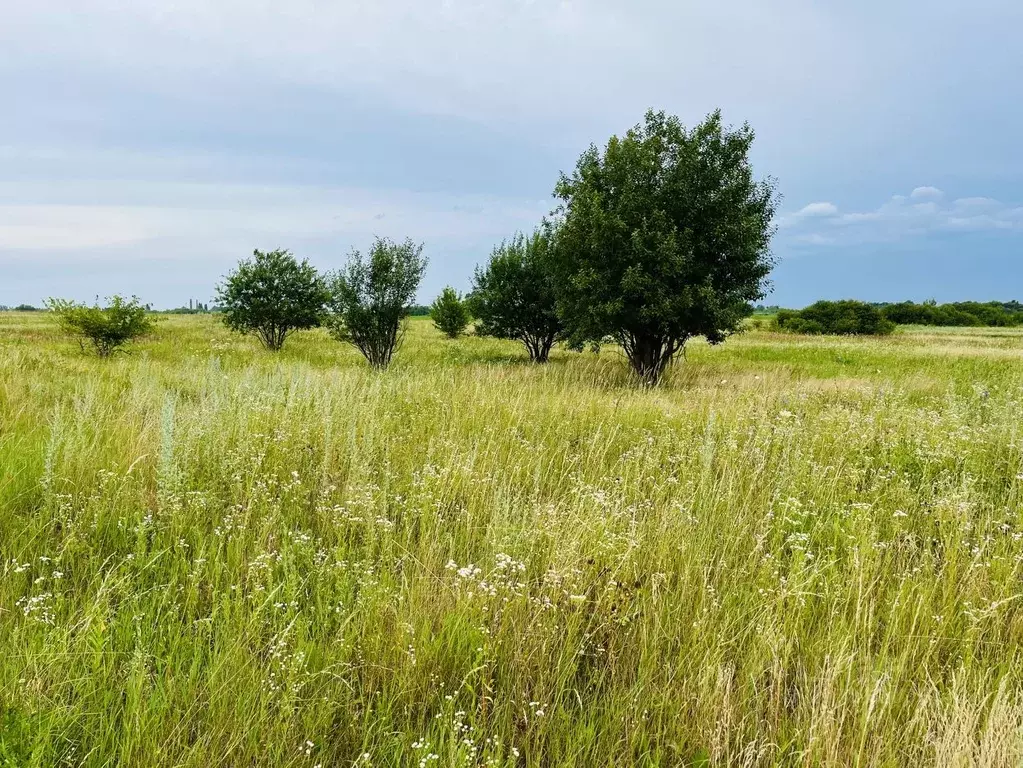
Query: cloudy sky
[(145, 146)]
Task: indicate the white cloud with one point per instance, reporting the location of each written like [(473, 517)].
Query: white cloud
[(927, 193), (978, 222), (975, 203), (815, 238), (819, 209), (858, 217), (903, 217)]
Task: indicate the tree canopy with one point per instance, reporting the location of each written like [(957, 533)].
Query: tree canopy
[(664, 235), (272, 295), (449, 313), (515, 297), (371, 298)]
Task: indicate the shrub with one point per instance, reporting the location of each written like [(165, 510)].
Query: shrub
[(847, 317), (449, 313), (271, 296), (107, 328), (664, 236), (370, 299), (514, 296)]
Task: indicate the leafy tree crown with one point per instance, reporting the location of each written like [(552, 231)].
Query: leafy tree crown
[(664, 236), (371, 297), (272, 295), (514, 296), (449, 313)]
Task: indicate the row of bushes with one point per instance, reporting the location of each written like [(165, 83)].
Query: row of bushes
[(962, 313), (851, 317), (639, 250)]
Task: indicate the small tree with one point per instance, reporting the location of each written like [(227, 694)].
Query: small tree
[(664, 236), (449, 313), (272, 295), (107, 328), (371, 298), (514, 297)]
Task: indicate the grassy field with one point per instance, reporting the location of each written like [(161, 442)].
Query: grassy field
[(798, 551)]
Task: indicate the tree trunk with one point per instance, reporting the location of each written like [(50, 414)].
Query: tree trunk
[(539, 347), (649, 356)]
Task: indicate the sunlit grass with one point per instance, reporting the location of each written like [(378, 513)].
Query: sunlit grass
[(800, 551)]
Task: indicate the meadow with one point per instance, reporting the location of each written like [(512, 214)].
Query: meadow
[(795, 551)]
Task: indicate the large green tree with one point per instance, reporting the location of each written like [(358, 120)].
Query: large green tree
[(514, 296), (272, 295), (372, 296), (664, 235)]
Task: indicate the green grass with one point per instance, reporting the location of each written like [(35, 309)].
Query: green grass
[(797, 551)]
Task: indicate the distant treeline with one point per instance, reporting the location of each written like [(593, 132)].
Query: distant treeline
[(200, 309), (859, 317), (999, 314), (417, 310)]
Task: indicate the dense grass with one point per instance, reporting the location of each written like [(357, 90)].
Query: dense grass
[(797, 551)]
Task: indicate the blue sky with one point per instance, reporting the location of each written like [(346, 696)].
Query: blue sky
[(147, 146)]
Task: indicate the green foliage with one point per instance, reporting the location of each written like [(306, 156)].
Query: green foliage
[(665, 236), (370, 298), (515, 296), (449, 313), (107, 328), (272, 295), (843, 318), (963, 313)]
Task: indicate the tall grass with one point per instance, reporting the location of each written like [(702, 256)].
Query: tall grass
[(798, 552)]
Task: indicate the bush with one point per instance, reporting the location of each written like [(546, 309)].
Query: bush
[(845, 318), (449, 313), (106, 328), (370, 299), (272, 295), (514, 297)]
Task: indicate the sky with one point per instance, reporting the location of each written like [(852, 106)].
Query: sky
[(145, 147)]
